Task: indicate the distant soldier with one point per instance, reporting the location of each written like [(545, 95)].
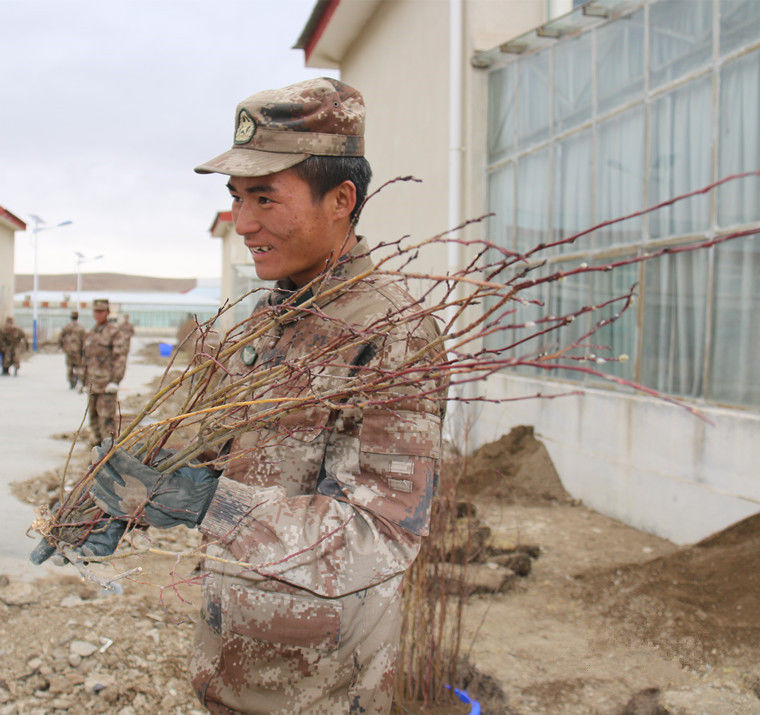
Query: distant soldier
[(127, 329), (11, 338), (185, 331), (104, 361), (71, 341)]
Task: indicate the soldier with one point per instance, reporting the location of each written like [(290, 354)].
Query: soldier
[(185, 341), (71, 341), (127, 329), (332, 508), (104, 359), (11, 338)]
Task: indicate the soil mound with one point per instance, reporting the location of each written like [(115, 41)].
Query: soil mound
[(516, 467), (704, 598)]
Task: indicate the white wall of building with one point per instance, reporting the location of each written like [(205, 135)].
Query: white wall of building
[(6, 270), (234, 255), (647, 462)]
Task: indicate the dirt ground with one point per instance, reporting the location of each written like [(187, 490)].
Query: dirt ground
[(608, 620)]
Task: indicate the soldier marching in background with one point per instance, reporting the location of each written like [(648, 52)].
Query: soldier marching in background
[(104, 359), (71, 341), (11, 338), (127, 329)]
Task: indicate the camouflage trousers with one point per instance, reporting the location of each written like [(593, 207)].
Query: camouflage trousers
[(102, 410), (73, 361), (260, 651), (10, 358)]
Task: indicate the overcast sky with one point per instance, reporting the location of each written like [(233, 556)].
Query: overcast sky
[(107, 105)]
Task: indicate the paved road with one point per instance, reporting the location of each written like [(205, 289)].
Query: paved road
[(33, 407)]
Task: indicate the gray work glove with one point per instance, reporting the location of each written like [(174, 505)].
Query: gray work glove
[(101, 541), (125, 487)]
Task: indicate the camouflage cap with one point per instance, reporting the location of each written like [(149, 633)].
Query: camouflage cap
[(74, 315), (100, 304), (279, 128)]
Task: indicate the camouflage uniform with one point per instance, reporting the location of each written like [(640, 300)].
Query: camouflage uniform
[(11, 337), (329, 506), (71, 341), (104, 359), (128, 330)]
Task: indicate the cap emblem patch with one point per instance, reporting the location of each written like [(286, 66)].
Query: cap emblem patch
[(246, 127)]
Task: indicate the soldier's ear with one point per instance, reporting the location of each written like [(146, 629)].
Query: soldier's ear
[(342, 200)]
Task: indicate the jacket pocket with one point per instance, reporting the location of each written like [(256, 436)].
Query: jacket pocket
[(283, 618), (398, 462)]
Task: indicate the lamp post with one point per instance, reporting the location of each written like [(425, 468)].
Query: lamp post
[(37, 228), (81, 258)]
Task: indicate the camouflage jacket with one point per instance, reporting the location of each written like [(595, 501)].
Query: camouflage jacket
[(104, 357), (329, 500), (11, 338), (71, 340), (128, 330)]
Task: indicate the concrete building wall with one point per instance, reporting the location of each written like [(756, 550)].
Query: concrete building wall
[(647, 462), (407, 123), (400, 62), (234, 254), (6, 271)]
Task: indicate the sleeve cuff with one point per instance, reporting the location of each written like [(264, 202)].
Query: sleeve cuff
[(227, 511)]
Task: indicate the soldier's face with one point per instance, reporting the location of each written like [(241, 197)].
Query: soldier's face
[(289, 234), (101, 316)]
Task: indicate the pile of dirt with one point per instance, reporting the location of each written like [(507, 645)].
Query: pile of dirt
[(42, 490), (516, 467), (698, 602)]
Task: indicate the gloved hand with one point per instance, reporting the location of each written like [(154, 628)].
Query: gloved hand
[(125, 487), (102, 541), (112, 388)]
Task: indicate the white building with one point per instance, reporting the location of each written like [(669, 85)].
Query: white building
[(9, 224), (557, 122), (157, 312), (238, 272)]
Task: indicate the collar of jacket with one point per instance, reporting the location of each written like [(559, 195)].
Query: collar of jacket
[(286, 296)]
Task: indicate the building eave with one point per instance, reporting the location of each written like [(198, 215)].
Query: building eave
[(331, 30), (8, 220), (222, 221)]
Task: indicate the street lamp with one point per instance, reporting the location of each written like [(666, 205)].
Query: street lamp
[(81, 258), (37, 228)]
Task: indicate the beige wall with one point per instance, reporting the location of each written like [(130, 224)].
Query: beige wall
[(6, 271), (234, 253), (400, 63)]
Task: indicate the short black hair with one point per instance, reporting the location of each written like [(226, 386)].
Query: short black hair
[(323, 173)]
